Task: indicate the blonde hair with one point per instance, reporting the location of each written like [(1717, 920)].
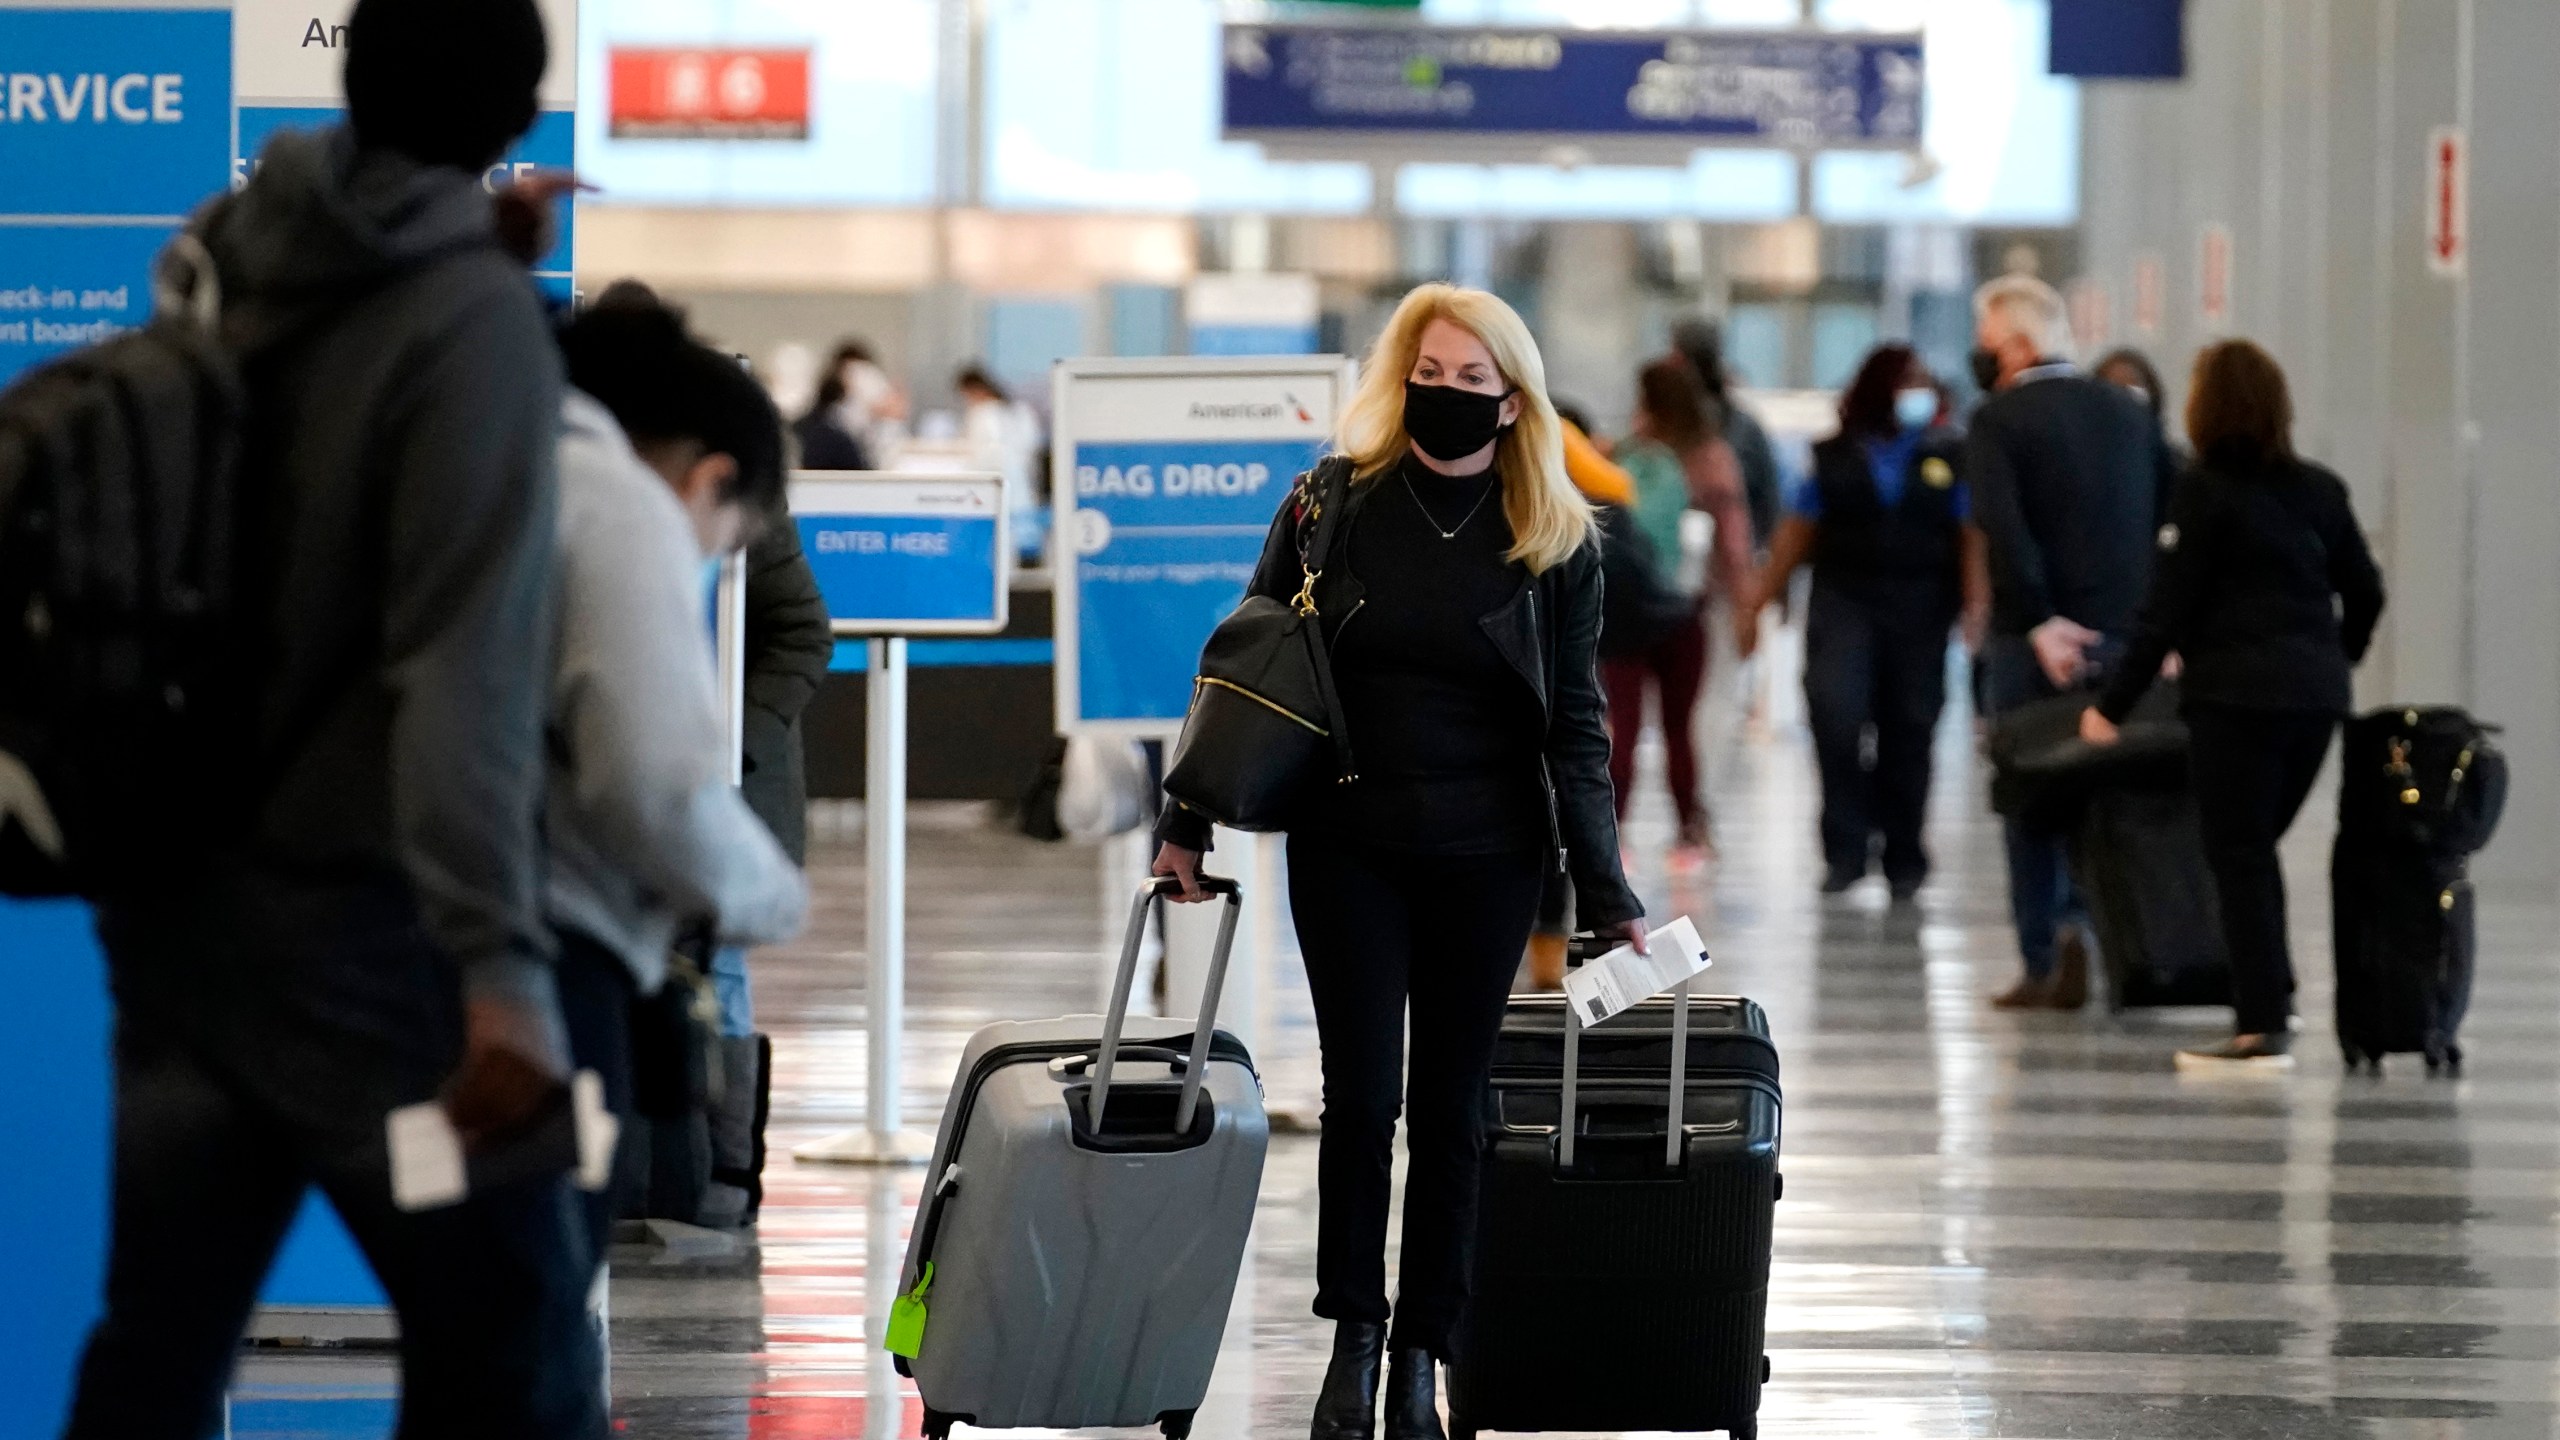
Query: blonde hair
[(2030, 307), (1549, 518)]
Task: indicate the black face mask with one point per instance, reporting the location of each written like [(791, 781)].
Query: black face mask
[(1986, 369), (1449, 423)]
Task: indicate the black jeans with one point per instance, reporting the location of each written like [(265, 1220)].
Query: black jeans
[(2252, 770), (1380, 930), (1866, 666), (241, 1081)]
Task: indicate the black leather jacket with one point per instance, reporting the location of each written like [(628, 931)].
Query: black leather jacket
[(1550, 632)]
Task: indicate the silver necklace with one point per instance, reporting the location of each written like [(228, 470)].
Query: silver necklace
[(1434, 521)]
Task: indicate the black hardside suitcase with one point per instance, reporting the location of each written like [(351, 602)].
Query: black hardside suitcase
[(1622, 1275), (2404, 934), (2137, 857)]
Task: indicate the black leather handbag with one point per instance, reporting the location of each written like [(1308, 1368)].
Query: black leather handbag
[(2041, 770), (1265, 731)]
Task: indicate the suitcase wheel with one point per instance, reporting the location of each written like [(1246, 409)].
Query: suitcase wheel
[(1176, 1424), (1460, 1429), (1747, 1430), (938, 1423), (2444, 1060)]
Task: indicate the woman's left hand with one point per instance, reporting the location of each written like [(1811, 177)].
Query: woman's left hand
[(1634, 933), (2097, 729)]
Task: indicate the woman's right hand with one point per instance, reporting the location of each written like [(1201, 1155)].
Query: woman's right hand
[(1183, 865)]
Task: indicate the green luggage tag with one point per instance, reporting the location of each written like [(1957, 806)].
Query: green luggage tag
[(907, 1316)]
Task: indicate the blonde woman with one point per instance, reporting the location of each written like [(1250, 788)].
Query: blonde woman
[(1463, 605)]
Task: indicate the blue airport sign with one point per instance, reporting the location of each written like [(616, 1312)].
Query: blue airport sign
[(1706, 87), (903, 554), (1168, 473), (114, 125), (113, 112), (552, 144)]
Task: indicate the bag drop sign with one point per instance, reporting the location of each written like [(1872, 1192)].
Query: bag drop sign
[(1167, 475)]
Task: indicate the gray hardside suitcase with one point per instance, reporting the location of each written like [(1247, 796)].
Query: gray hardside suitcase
[(1091, 1194)]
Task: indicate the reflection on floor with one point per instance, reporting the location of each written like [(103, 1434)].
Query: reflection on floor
[(1993, 1225)]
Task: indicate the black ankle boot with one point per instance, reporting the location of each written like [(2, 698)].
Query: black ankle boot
[(1347, 1406), (1413, 1412)]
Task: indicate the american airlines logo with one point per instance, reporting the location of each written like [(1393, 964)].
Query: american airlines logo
[(1287, 408)]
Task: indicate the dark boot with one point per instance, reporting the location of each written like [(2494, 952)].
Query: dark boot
[(1347, 1406), (1413, 1409), (2071, 970), (737, 1114)]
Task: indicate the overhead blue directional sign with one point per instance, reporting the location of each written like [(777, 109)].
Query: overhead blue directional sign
[(1797, 89), (1167, 475), (906, 554)]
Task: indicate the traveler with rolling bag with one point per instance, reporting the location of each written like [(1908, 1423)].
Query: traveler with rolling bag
[(1091, 1192), (1435, 593), (1622, 1260), (2420, 791), (2265, 587)]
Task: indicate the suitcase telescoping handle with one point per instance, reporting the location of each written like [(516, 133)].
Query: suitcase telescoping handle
[(1107, 1056), (1672, 1132)]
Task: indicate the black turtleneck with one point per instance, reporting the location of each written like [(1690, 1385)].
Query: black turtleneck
[(1445, 731)]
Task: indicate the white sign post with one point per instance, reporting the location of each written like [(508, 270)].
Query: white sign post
[(897, 555), (1166, 476)]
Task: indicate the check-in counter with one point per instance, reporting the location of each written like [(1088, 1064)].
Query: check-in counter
[(981, 711)]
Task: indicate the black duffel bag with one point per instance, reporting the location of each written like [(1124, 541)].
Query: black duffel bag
[(2428, 777), (1265, 729), (2042, 771)]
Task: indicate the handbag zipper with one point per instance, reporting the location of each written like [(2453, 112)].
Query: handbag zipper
[(1266, 704)]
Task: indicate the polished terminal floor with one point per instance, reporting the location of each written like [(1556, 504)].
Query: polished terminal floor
[(1994, 1225)]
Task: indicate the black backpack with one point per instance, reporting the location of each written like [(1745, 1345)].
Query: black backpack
[(118, 670), (2430, 778), (1639, 606)]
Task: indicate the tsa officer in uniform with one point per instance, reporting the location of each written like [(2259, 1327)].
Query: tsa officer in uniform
[(1884, 520)]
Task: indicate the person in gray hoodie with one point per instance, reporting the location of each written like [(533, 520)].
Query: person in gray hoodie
[(371, 935), (670, 457)]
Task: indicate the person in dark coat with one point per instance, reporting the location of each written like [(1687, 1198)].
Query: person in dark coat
[(370, 935), (1884, 518), (790, 645), (2267, 592), (1464, 600), (2070, 479), (830, 434), (2132, 371)]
